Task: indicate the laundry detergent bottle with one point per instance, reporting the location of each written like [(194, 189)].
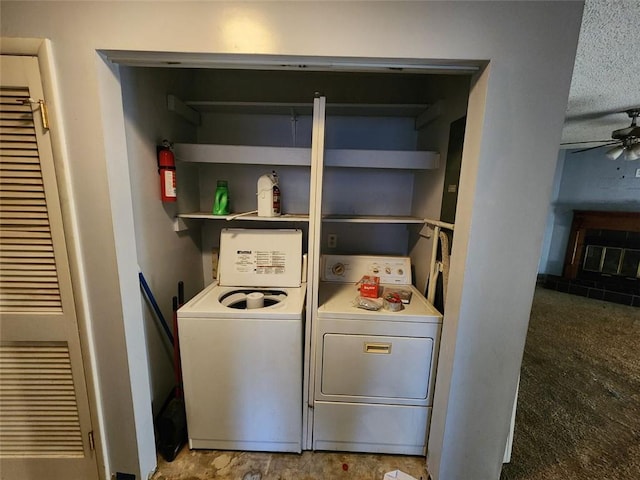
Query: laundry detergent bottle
[(221, 200), (268, 195)]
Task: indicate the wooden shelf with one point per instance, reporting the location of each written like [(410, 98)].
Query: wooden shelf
[(242, 154), (372, 219), (301, 217), (295, 217), (262, 155), (304, 108), (253, 108), (392, 159)]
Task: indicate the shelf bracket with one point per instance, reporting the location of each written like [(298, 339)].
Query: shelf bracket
[(429, 115), (431, 227), (174, 104)]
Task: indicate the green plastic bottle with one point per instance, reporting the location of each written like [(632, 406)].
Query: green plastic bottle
[(221, 201)]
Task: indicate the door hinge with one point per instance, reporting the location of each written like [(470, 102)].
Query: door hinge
[(92, 442), (44, 113)]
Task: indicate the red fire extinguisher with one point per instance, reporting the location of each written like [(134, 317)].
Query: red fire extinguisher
[(167, 170)]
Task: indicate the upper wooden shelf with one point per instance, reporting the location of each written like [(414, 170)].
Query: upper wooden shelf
[(287, 108), (252, 155), (192, 110), (259, 108), (402, 159), (242, 154)]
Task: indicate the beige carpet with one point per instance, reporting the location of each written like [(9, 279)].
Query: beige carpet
[(578, 411)]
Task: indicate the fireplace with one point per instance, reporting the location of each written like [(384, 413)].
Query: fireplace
[(603, 257)]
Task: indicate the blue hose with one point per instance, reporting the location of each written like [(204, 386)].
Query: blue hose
[(152, 301)]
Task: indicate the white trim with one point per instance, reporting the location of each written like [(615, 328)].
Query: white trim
[(137, 358), (42, 49), (289, 62)]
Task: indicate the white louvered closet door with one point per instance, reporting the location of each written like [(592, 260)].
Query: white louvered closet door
[(45, 423)]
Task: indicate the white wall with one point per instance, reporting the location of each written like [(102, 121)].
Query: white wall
[(452, 103), (164, 256), (341, 194), (500, 218), (587, 181)]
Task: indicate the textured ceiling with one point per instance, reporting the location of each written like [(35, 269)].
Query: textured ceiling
[(606, 76)]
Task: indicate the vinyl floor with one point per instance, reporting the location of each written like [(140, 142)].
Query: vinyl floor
[(219, 465)]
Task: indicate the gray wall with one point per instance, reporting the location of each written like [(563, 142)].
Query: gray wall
[(586, 181), (499, 223)]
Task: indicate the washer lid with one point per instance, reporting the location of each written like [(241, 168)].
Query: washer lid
[(260, 257)]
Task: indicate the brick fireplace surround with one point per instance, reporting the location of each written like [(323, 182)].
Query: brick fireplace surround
[(602, 260)]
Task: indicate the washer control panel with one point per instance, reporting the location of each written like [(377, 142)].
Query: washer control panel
[(351, 268)]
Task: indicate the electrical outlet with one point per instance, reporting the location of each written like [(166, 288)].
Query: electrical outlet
[(332, 240)]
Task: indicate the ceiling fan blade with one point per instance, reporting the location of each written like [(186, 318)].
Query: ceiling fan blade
[(578, 117), (593, 148), (587, 141)]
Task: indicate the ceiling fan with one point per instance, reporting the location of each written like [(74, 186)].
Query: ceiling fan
[(626, 140)]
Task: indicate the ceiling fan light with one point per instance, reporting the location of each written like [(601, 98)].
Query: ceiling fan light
[(615, 152), (632, 153)]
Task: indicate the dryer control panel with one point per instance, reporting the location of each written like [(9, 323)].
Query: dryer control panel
[(351, 268)]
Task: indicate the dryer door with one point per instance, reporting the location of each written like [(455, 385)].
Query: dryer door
[(368, 366)]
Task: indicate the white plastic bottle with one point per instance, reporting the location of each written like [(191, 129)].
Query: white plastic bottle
[(268, 195)]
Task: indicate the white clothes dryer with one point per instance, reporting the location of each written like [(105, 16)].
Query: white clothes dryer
[(374, 370), (241, 346)]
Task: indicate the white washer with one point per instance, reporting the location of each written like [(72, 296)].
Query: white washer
[(375, 370), (242, 366)]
